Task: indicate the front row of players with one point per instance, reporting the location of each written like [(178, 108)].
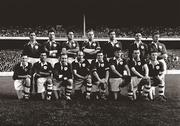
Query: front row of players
[(98, 78)]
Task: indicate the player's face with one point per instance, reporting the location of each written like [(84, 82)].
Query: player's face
[(156, 38), (100, 56), (43, 57), (70, 35), (24, 59), (91, 35), (112, 35), (118, 54), (154, 56), (32, 37), (51, 35), (64, 59), (80, 55), (136, 54), (138, 37)]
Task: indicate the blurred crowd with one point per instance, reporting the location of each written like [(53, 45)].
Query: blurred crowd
[(100, 31)]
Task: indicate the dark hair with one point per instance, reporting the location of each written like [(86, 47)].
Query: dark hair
[(23, 54), (51, 30), (155, 33), (111, 31), (101, 51), (90, 30), (69, 31)]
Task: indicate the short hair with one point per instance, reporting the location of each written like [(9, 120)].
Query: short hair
[(23, 54), (31, 32), (51, 30), (63, 54), (69, 31), (111, 32), (156, 33), (101, 51), (91, 30)]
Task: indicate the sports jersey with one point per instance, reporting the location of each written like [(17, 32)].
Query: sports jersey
[(161, 48), (142, 47), (155, 70), (20, 70), (138, 65), (109, 48), (42, 67), (100, 68), (52, 49), (62, 72), (119, 66), (91, 45), (70, 45), (83, 68), (32, 49)]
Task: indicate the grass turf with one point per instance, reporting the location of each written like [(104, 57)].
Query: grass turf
[(95, 113)]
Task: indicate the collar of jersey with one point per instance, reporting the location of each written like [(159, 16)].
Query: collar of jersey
[(26, 64), (45, 63)]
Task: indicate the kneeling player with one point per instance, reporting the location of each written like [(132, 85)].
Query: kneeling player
[(82, 78), (22, 77), (42, 73), (140, 79), (117, 68), (100, 75), (63, 77), (156, 73)]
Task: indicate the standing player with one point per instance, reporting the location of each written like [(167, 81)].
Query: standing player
[(82, 78), (52, 48), (139, 45), (100, 76), (118, 66), (91, 47), (32, 49), (111, 44), (63, 77), (42, 73), (22, 77), (71, 47), (139, 76), (156, 73)]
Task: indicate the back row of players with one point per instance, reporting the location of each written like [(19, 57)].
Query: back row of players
[(63, 69)]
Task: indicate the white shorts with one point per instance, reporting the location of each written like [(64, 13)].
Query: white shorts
[(52, 61), (135, 81), (115, 84), (19, 84), (33, 60), (40, 84)]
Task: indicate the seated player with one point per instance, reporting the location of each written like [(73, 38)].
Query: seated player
[(32, 49), (82, 78), (22, 78), (42, 72), (52, 48), (139, 76), (71, 47), (111, 44), (63, 77), (91, 47), (156, 74), (118, 67), (100, 76)]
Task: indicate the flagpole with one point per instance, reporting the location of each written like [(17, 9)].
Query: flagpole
[(84, 26)]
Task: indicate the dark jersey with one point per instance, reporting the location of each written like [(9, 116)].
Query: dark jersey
[(52, 49), (83, 68), (119, 66), (91, 45), (20, 70), (100, 68), (32, 49), (62, 72), (40, 67), (109, 48), (70, 45), (155, 70), (142, 47), (138, 65)]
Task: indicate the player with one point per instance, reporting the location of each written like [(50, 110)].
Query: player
[(71, 47), (82, 78), (22, 77), (42, 72), (32, 49), (139, 76), (63, 77), (91, 47), (111, 44), (100, 76), (156, 74), (139, 45), (52, 48), (119, 73)]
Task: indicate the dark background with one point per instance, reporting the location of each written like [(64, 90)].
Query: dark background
[(98, 12)]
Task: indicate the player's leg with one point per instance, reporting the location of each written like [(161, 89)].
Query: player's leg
[(56, 88), (40, 87), (68, 90), (161, 90), (18, 85), (103, 88), (147, 88), (114, 86), (49, 88), (77, 86), (133, 86), (27, 85), (88, 87)]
